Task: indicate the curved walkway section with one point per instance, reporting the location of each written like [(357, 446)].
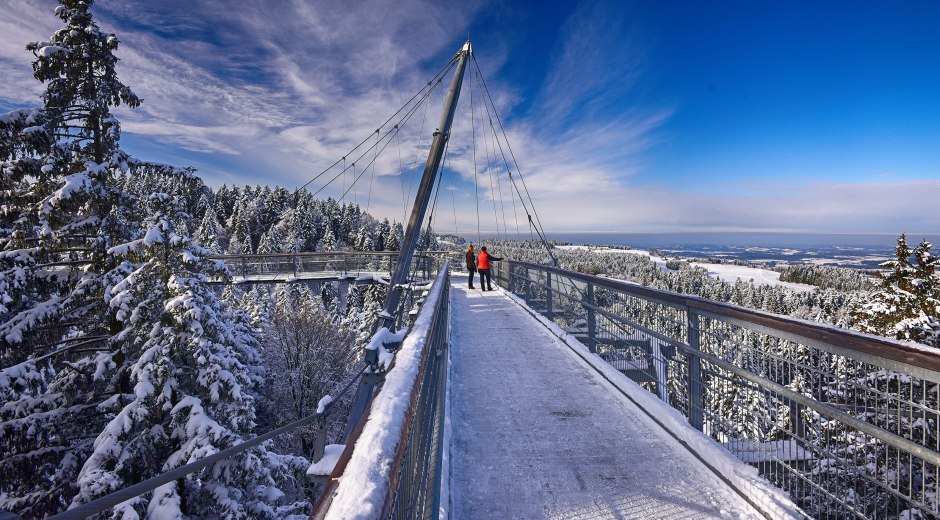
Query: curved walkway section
[(536, 433)]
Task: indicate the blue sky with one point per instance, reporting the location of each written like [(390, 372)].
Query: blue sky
[(625, 116)]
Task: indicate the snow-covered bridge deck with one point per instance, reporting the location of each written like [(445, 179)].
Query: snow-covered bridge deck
[(537, 432)]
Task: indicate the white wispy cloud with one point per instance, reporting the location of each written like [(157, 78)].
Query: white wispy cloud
[(278, 90)]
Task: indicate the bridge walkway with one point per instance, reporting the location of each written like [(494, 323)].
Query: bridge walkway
[(537, 433)]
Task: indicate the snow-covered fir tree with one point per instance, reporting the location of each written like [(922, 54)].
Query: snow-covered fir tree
[(329, 240), (194, 368), (908, 304), (55, 264), (207, 235), (240, 236)]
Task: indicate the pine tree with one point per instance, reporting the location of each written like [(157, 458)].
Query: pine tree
[(194, 367), (240, 238), (364, 239), (382, 236), (292, 232), (395, 237), (56, 267), (207, 235), (329, 240), (224, 203), (23, 138), (906, 306)]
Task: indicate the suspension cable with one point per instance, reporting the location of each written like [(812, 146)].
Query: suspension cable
[(491, 158), (401, 176), (493, 197), (375, 155), (537, 223), (387, 137), (387, 134), (414, 163), (473, 148), (503, 131), (351, 185), (437, 77), (453, 201)]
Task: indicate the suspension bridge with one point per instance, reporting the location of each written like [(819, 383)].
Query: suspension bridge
[(565, 395)]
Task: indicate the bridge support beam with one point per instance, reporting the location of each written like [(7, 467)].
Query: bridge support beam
[(389, 315)]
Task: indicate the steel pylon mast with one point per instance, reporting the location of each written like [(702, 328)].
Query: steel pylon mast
[(387, 317), (425, 189)]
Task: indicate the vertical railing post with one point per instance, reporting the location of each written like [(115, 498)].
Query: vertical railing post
[(530, 291), (244, 269), (319, 439), (591, 319), (696, 397), (797, 425), (510, 281), (548, 295)]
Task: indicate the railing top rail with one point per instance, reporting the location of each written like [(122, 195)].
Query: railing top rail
[(914, 354), (328, 254)]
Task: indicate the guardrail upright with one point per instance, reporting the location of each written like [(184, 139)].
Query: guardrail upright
[(696, 394), (591, 319)]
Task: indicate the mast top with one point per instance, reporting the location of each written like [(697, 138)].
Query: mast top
[(467, 48)]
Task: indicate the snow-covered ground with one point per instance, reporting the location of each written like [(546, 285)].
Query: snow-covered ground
[(731, 273), (537, 432), (612, 250), (725, 272)]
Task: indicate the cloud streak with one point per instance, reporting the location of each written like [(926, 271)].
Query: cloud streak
[(274, 92)]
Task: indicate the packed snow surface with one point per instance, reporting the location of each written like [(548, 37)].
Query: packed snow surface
[(539, 432)]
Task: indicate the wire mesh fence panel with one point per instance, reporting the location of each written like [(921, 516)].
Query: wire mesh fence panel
[(416, 486)]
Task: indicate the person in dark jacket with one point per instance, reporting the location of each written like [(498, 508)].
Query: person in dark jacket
[(483, 264), (471, 264)]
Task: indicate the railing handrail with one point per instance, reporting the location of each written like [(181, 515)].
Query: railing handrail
[(920, 356), (325, 254)]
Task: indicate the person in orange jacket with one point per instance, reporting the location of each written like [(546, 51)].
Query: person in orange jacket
[(471, 264), (483, 265)]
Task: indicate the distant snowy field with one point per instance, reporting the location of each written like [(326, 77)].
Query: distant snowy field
[(725, 272), (731, 273)]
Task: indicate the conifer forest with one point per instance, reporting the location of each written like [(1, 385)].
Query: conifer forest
[(122, 358)]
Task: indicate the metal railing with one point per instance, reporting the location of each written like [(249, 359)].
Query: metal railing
[(281, 267), (847, 423), (415, 483), (423, 434), (412, 487)]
